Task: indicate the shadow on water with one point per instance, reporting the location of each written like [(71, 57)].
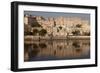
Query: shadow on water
[(56, 50)]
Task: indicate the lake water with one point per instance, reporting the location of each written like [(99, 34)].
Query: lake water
[(44, 50)]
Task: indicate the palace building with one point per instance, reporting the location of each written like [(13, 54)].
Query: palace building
[(60, 26)]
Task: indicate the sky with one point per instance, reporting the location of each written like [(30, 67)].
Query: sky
[(58, 14)]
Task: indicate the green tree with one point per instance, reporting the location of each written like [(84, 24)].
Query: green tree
[(43, 18), (35, 24), (27, 29), (78, 25), (87, 33), (57, 30), (42, 32), (76, 32), (54, 24), (35, 31), (60, 27)]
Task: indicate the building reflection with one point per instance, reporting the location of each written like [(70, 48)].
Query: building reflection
[(56, 50)]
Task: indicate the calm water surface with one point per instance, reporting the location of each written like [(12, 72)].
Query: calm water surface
[(56, 50)]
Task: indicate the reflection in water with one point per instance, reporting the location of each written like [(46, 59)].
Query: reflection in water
[(56, 50)]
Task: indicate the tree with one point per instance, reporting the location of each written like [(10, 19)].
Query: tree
[(35, 24), (76, 32), (27, 29), (60, 27), (57, 30), (43, 18), (42, 32), (35, 31), (87, 33), (54, 24), (78, 25)]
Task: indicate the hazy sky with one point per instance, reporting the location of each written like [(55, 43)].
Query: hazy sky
[(58, 14)]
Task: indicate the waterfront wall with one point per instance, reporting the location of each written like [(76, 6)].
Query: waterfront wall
[(31, 38)]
